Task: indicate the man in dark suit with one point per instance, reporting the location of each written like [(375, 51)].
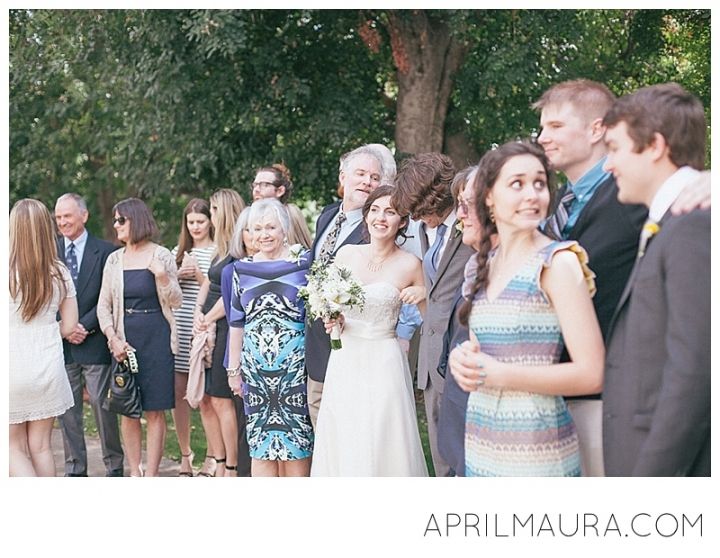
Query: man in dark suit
[(339, 223), (657, 372), (87, 359), (423, 191), (587, 210)]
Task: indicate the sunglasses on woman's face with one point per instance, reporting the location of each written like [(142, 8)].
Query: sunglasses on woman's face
[(119, 220)]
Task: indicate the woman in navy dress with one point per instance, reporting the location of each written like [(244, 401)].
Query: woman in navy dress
[(266, 360), (217, 409), (135, 312)]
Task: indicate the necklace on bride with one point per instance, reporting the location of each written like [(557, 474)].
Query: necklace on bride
[(376, 265)]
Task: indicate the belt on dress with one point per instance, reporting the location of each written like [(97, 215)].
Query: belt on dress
[(141, 310)]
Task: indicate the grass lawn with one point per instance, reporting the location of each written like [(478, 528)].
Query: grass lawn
[(197, 435)]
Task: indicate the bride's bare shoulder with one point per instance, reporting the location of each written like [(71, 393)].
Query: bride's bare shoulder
[(409, 260)]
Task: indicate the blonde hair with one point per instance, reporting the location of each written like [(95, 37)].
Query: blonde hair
[(237, 246), (34, 265), (299, 232), (228, 205), (589, 99)]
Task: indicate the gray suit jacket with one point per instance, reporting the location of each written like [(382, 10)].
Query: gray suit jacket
[(440, 303), (656, 416)]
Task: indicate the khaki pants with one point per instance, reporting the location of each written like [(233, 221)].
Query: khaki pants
[(314, 396)]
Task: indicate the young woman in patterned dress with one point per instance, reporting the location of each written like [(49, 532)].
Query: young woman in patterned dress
[(193, 255), (530, 295)]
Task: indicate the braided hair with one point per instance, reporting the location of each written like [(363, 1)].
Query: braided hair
[(489, 169)]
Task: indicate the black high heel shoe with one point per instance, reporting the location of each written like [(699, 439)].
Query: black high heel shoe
[(190, 456), (211, 472)]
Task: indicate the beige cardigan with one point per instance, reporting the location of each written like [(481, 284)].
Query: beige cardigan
[(111, 303)]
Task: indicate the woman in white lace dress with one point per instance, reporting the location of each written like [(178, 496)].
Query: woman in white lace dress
[(40, 287), (367, 425)]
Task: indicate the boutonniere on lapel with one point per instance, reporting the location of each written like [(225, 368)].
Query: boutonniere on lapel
[(296, 252), (458, 228), (650, 229)]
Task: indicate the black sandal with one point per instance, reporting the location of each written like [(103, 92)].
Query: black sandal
[(189, 457), (231, 468), (203, 473)]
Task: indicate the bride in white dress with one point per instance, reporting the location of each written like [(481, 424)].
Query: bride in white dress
[(367, 424)]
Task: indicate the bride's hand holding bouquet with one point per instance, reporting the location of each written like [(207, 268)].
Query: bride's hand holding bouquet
[(331, 289)]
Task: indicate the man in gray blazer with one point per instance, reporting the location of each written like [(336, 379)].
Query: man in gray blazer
[(423, 190), (87, 359), (656, 418)]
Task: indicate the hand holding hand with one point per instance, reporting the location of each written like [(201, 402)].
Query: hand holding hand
[(78, 335), (413, 294)]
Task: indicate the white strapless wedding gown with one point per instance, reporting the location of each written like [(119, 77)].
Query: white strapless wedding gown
[(367, 426)]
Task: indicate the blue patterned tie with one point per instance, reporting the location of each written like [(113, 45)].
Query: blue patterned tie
[(556, 222), (72, 262), (430, 260)]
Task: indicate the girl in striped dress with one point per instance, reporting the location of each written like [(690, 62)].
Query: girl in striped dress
[(193, 255), (531, 295)]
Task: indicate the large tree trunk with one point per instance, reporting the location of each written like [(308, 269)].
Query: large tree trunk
[(426, 55), (460, 149)]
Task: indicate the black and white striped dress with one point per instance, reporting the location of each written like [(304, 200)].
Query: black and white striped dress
[(184, 314)]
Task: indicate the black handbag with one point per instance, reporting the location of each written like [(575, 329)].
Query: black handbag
[(123, 395)]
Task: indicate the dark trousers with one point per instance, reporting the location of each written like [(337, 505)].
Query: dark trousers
[(243, 449), (96, 378)]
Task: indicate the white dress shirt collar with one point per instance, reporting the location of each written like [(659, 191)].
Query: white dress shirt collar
[(670, 190)]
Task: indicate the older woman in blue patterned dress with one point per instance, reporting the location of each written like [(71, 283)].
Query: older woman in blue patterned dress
[(530, 295), (266, 346)]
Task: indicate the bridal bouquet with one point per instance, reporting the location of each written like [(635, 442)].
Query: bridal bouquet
[(331, 289)]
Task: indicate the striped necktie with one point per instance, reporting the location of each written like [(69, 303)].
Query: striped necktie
[(556, 222)]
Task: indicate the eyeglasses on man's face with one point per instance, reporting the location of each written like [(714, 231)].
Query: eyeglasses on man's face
[(263, 185)]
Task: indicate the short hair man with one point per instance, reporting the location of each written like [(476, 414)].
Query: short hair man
[(657, 372), (87, 359), (588, 211), (339, 223), (423, 190)]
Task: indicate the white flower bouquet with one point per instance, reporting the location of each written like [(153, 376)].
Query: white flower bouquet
[(331, 289)]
